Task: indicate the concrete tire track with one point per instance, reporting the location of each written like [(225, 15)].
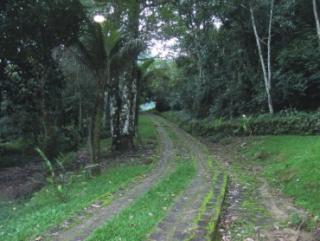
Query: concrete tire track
[(179, 223)]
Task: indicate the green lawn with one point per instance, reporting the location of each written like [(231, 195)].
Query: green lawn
[(136, 221), (29, 218), (148, 133), (292, 163)]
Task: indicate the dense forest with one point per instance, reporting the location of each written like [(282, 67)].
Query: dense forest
[(259, 57), (62, 82), (74, 73)]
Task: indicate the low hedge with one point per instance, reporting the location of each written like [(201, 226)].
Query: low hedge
[(295, 123)]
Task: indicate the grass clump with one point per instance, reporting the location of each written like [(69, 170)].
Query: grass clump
[(147, 132), (250, 211), (136, 221)]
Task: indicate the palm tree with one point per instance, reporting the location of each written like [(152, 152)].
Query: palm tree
[(109, 53), (97, 46)]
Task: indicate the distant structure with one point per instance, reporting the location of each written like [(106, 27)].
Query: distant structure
[(148, 106)]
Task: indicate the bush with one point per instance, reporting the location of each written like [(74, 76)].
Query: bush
[(18, 146), (60, 141), (15, 152), (292, 123)]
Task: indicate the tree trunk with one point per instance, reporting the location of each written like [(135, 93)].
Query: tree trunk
[(80, 112), (115, 108), (124, 102), (134, 100), (120, 110), (96, 119), (270, 102), (316, 17), (266, 70), (97, 128)]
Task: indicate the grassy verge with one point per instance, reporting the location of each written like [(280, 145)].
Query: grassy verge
[(29, 218), (286, 162), (291, 163), (148, 133), (135, 222), (207, 219), (250, 213)]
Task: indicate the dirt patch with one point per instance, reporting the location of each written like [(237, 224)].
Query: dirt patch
[(281, 209), (20, 182), (231, 212)]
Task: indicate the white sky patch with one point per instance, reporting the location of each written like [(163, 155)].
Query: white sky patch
[(99, 18), (218, 23), (164, 48)]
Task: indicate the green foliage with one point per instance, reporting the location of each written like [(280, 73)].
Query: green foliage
[(30, 80), (219, 72), (136, 221), (16, 146), (56, 180), (13, 152), (283, 123)]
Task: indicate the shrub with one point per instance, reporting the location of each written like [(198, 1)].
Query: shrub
[(295, 123), (58, 175)]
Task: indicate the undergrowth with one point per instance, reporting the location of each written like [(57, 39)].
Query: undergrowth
[(298, 123)]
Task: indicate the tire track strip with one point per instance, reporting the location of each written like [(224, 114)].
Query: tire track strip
[(179, 223), (123, 198)]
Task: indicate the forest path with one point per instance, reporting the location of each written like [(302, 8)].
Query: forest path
[(181, 222), (97, 215), (194, 214), (255, 211)]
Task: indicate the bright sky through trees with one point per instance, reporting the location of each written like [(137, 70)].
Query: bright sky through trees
[(164, 48)]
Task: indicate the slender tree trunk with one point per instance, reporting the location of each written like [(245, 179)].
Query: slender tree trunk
[(105, 102), (94, 132), (134, 100), (270, 102), (90, 141), (96, 120), (266, 70), (316, 17), (114, 106), (80, 111), (1, 100), (97, 123)]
